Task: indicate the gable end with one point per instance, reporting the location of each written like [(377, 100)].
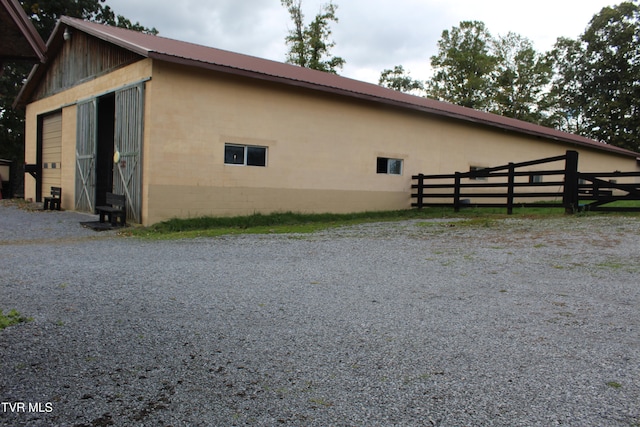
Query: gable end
[(80, 59)]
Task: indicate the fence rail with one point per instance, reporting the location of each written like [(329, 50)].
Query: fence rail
[(509, 186)]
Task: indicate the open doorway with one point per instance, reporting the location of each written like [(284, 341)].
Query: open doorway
[(106, 106)]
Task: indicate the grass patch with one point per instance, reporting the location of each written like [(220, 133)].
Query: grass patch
[(292, 222), (12, 318), (279, 222)]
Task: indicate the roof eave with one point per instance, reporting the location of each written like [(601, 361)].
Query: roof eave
[(26, 28), (74, 23)]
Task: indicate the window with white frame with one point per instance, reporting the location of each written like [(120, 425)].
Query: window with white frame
[(245, 155), (389, 166)]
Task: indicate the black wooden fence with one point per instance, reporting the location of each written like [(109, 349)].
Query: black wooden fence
[(519, 184)]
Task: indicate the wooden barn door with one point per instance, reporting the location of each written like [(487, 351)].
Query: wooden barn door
[(127, 172), (86, 157)]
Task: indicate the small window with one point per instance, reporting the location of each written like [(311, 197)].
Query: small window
[(389, 166), (476, 169), (247, 155), (535, 179)]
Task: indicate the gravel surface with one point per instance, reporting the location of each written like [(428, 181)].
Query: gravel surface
[(513, 322)]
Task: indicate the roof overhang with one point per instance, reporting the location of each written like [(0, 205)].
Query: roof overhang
[(19, 39)]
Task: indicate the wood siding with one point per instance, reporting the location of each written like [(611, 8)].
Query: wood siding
[(83, 58)]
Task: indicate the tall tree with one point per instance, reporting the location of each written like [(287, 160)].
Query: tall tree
[(400, 80), (44, 15), (566, 101), (611, 75), (310, 45), (503, 75), (521, 79), (464, 66)]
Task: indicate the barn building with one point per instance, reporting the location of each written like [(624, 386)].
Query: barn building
[(185, 130)]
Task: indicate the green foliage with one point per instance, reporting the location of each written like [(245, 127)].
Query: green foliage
[(567, 105), (399, 79), (12, 318), (310, 46), (520, 79), (12, 120), (596, 87), (611, 75), (274, 219), (291, 222), (45, 14), (589, 86), (279, 222), (503, 75), (464, 66)]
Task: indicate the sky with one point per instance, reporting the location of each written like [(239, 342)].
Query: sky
[(371, 35)]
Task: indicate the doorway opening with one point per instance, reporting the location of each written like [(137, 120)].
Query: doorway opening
[(104, 153)]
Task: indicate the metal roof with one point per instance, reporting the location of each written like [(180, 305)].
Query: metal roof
[(19, 40), (169, 50)]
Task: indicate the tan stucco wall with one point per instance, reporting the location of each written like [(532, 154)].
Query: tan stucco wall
[(66, 101), (322, 149)]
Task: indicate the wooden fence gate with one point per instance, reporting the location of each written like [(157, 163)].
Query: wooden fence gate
[(559, 185)]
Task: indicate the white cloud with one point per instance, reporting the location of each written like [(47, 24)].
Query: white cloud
[(371, 36)]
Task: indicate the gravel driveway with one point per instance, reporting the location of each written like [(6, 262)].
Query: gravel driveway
[(513, 322)]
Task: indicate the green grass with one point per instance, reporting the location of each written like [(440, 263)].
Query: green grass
[(291, 222), (12, 318), (280, 222)]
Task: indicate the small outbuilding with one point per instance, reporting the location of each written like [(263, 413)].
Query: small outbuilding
[(185, 130)]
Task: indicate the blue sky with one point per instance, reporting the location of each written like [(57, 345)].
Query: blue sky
[(372, 35)]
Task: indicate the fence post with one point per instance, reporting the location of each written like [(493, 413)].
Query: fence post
[(511, 189), (420, 190), (570, 197), (456, 193)]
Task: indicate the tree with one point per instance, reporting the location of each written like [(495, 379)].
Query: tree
[(464, 66), (309, 46), (44, 15), (520, 80), (399, 79), (503, 75), (566, 101), (596, 87), (611, 75)]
